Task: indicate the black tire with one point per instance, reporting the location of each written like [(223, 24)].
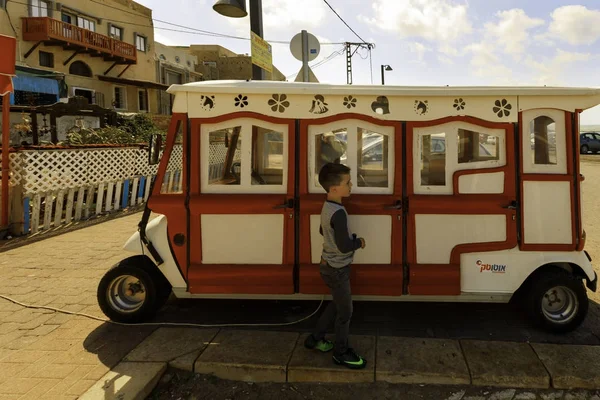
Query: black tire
[(557, 301), (584, 149), (128, 293)]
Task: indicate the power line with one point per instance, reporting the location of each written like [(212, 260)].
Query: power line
[(195, 30), (357, 35), (323, 61)]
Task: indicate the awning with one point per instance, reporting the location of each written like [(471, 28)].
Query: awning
[(134, 82), (35, 84)]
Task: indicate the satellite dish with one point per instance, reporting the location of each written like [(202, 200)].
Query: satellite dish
[(314, 47)]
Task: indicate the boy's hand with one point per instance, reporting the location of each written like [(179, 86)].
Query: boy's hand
[(362, 243)]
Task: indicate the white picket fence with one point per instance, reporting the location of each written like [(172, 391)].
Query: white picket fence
[(62, 186)]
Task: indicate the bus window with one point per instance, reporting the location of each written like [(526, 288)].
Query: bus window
[(330, 147), (474, 146), (225, 156), (542, 134), (173, 180), (267, 156), (372, 156), (433, 159)]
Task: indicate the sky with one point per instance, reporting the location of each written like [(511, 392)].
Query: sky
[(426, 42)]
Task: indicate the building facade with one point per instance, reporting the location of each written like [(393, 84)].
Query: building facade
[(102, 50), (174, 66), (218, 63)]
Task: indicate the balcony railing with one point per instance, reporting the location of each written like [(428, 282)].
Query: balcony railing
[(45, 29)]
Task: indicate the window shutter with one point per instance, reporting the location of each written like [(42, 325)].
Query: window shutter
[(135, 39), (109, 25), (31, 5)]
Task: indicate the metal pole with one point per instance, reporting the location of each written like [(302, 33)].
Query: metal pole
[(305, 56), (256, 26), (5, 155), (382, 75)]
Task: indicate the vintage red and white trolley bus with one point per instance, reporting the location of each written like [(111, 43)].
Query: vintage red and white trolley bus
[(462, 194)]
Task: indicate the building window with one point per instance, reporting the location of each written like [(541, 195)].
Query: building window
[(46, 59), (142, 100), (39, 8), (120, 98), (88, 94), (86, 24), (80, 68), (140, 43), (116, 32)]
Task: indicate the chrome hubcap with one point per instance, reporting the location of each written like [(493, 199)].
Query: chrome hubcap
[(560, 304), (126, 293)]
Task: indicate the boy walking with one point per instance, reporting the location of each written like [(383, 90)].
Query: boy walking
[(338, 252)]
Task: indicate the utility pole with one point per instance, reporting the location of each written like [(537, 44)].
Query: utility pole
[(350, 53)]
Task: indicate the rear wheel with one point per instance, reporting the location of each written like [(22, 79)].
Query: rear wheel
[(557, 301), (584, 149), (129, 293)]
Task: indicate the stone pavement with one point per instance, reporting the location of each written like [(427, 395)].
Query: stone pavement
[(49, 355)]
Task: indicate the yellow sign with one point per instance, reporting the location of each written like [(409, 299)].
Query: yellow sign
[(262, 54)]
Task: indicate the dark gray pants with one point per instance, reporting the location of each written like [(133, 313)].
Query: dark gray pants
[(339, 309)]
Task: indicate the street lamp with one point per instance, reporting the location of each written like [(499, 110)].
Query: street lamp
[(237, 9), (383, 69)]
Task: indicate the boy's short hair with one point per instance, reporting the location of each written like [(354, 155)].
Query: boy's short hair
[(332, 174)]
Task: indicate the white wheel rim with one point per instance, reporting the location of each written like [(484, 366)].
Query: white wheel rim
[(560, 304), (126, 294)]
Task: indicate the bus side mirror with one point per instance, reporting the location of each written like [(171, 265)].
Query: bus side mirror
[(154, 149)]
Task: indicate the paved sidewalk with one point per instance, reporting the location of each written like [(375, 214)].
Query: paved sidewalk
[(49, 355), (268, 356)]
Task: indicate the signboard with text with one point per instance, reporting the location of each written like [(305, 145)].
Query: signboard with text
[(262, 54)]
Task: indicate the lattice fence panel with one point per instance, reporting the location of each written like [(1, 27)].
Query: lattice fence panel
[(15, 163), (111, 164), (141, 164), (53, 170)]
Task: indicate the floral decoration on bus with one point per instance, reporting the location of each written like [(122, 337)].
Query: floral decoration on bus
[(381, 105), (350, 102), (459, 104), (318, 105), (421, 107), (502, 107), (278, 103), (241, 101), (207, 102)]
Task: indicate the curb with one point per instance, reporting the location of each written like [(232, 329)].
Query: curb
[(267, 356)]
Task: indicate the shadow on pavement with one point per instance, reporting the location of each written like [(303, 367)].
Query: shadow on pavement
[(478, 321)]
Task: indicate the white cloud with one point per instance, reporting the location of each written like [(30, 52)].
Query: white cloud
[(419, 49), (433, 20), (511, 31), (445, 60), (551, 71), (287, 15), (575, 24)]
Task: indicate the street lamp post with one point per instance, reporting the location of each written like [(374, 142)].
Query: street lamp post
[(237, 9), (383, 69)]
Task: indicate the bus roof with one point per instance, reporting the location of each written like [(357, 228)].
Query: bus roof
[(234, 86), (292, 100)]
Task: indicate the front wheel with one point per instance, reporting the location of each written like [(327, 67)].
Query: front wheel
[(128, 294), (557, 302)]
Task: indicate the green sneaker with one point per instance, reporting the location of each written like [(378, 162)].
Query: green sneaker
[(323, 345), (350, 359)]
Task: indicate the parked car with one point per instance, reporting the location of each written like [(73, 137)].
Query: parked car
[(589, 141)]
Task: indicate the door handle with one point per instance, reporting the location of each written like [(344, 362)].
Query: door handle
[(512, 205), (287, 204), (396, 206)]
